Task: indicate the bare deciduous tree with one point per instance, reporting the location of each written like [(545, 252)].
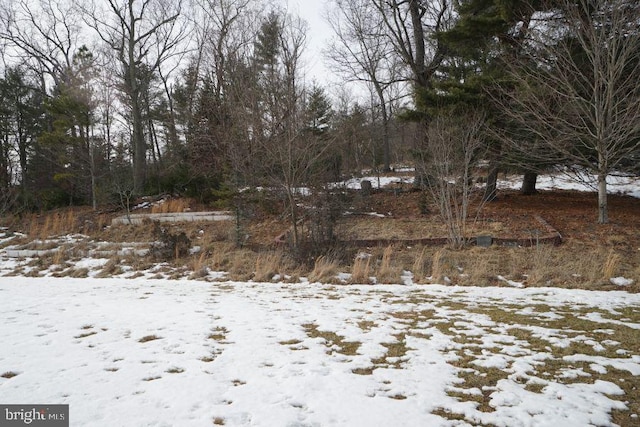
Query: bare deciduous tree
[(362, 52), (410, 26), (578, 99), (288, 155), (143, 34), (43, 33), (455, 145)]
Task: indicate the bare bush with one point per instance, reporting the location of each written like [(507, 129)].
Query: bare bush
[(455, 146), (169, 246)]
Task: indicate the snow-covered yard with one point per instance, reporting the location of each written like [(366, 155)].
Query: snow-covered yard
[(140, 352)]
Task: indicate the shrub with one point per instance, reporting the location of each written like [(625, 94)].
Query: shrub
[(168, 245)]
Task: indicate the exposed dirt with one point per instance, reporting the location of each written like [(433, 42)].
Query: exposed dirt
[(573, 214)]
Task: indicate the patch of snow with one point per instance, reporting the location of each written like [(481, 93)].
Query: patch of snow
[(376, 182), (511, 282), (595, 367), (587, 182), (621, 281), (494, 361)]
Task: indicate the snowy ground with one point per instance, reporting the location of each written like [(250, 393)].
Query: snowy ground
[(617, 184), (140, 352)]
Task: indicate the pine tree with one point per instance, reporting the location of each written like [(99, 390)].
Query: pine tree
[(319, 111), (488, 35), (68, 141), (21, 118)]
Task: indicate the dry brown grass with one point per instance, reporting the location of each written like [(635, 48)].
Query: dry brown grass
[(567, 266), (324, 270), (361, 269), (373, 227), (267, 265), (482, 266), (55, 223), (240, 264), (199, 261), (577, 263), (571, 265), (111, 268), (387, 271), (438, 263), (420, 265), (59, 256), (611, 264), (221, 255), (172, 205)]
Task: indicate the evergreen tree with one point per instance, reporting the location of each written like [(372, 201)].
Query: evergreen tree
[(21, 120), (488, 35), (319, 111), (267, 46), (71, 150)]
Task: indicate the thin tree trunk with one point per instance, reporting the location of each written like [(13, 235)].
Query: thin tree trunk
[(139, 143), (491, 190), (386, 145), (139, 150), (603, 214), (529, 183)]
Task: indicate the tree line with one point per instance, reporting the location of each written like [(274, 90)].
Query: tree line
[(117, 99)]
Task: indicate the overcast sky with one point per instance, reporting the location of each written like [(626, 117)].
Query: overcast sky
[(318, 36)]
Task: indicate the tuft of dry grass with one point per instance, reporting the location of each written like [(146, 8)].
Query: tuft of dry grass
[(148, 338), (80, 273), (361, 269), (420, 266), (199, 262), (220, 255), (172, 205), (56, 223), (267, 265), (611, 265), (325, 269), (111, 268), (481, 266), (59, 256), (239, 263), (438, 264), (387, 271)]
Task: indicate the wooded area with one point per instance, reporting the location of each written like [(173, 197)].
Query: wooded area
[(106, 101)]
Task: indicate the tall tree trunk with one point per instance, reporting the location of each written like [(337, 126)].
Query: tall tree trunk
[(386, 144), (173, 141), (603, 214), (420, 71), (139, 144), (529, 183), (491, 189), (139, 151)]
